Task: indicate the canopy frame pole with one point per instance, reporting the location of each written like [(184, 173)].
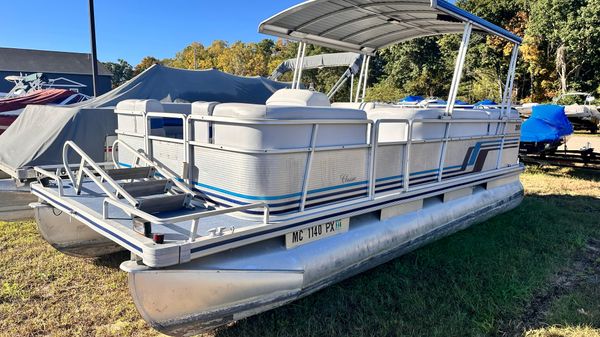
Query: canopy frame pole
[(340, 82), (366, 77), (458, 69), (296, 65), (360, 77), (301, 65), (510, 78), (351, 86)]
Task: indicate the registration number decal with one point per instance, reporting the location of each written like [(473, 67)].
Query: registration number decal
[(316, 232)]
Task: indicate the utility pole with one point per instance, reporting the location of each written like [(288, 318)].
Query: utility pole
[(94, 56), (195, 56)]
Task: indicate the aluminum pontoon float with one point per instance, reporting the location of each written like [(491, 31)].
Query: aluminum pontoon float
[(248, 207)]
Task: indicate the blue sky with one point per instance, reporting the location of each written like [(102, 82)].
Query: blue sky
[(132, 29)]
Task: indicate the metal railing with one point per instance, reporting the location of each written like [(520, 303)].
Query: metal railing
[(373, 142), (149, 162), (194, 216), (311, 150), (132, 208), (83, 169)]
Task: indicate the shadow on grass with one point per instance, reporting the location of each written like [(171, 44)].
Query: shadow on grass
[(470, 283), (554, 171), (112, 260)]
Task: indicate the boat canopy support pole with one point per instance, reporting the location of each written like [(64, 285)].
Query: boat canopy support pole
[(351, 86), (299, 64), (340, 82), (366, 77), (460, 63), (360, 78), (510, 78)]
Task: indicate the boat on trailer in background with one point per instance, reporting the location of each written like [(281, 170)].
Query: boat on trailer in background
[(249, 206)]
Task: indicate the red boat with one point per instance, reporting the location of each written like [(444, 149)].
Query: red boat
[(11, 108)]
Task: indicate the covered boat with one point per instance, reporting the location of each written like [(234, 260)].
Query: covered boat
[(580, 111), (411, 100), (247, 207), (545, 130), (11, 108), (39, 134)]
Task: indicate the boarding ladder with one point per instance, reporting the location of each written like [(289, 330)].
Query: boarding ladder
[(149, 188)]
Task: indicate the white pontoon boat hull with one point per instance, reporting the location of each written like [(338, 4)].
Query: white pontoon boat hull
[(221, 288)]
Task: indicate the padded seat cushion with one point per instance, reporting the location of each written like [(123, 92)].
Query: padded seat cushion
[(139, 105), (203, 108), (298, 97), (256, 111)]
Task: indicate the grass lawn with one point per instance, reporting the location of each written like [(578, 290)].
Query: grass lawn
[(534, 272)]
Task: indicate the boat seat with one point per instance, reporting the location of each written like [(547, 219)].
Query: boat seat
[(202, 130), (398, 132), (203, 108), (366, 106), (164, 127), (298, 97), (271, 136), (254, 165)]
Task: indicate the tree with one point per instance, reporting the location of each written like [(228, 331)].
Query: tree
[(146, 63), (563, 37), (417, 67), (244, 59), (121, 71), (384, 91)]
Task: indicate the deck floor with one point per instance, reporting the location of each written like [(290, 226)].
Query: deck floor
[(92, 197)]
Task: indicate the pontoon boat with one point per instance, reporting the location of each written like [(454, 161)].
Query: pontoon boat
[(248, 207)]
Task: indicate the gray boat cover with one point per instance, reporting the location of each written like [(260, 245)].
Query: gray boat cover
[(350, 60), (38, 134)]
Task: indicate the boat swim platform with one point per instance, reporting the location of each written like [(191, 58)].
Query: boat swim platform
[(226, 229)]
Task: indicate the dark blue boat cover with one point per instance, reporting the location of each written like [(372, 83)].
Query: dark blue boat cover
[(486, 102), (412, 99), (548, 123)]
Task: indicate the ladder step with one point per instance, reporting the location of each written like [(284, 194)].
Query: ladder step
[(162, 203), (131, 173), (147, 187)]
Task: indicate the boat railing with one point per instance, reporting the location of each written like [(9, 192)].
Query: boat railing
[(194, 216), (160, 169), (84, 169), (496, 129), (43, 173), (311, 150), (99, 176)]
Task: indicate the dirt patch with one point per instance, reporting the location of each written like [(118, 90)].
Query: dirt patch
[(583, 270)]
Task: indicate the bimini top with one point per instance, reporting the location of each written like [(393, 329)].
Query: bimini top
[(365, 26), (350, 60)]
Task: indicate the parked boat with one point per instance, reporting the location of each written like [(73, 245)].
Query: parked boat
[(11, 108), (580, 111), (545, 130), (256, 205), (411, 100)]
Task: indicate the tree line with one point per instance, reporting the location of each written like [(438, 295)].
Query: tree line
[(560, 52)]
